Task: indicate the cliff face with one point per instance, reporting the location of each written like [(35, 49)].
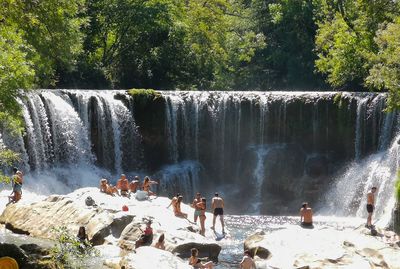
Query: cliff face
[(279, 147)]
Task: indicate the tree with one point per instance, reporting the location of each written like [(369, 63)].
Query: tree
[(345, 38), (385, 72)]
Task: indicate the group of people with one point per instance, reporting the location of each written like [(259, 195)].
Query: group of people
[(125, 188), (306, 213), (200, 205)]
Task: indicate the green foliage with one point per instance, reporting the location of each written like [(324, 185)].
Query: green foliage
[(385, 72), (69, 252), (345, 38), (397, 187), (148, 94)]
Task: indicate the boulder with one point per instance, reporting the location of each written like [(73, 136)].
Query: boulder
[(148, 257), (325, 247), (13, 251), (254, 244)]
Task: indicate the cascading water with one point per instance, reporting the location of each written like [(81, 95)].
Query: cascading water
[(316, 134)]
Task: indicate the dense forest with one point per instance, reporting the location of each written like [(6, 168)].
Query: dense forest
[(199, 45)]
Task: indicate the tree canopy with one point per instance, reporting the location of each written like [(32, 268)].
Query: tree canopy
[(199, 45)]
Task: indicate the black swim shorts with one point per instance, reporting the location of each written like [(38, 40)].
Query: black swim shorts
[(370, 208), (218, 211)]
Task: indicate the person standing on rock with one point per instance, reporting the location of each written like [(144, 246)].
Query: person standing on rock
[(17, 180), (123, 186), (247, 261), (197, 211), (370, 206), (217, 205), (306, 214), (202, 206)]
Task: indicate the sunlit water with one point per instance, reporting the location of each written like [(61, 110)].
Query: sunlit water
[(242, 226)]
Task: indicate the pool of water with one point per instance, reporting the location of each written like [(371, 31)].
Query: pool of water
[(242, 226)]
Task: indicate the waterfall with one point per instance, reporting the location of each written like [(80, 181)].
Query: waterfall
[(274, 141), (180, 178)]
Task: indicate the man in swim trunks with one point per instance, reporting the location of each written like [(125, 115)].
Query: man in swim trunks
[(370, 206), (306, 215), (217, 205), (197, 210), (123, 186)]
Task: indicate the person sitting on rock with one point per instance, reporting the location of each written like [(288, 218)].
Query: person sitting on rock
[(306, 216), (196, 262), (177, 208), (247, 261), (174, 200), (82, 238), (123, 186), (147, 237), (161, 242), (133, 186), (106, 188), (147, 184), (17, 180)]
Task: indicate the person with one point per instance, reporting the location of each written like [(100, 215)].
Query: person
[(306, 215), (147, 184), (202, 206), (196, 262), (17, 181), (370, 206), (217, 205), (247, 261), (161, 242), (82, 238), (174, 200), (177, 208), (133, 186), (107, 188), (197, 211), (123, 186), (147, 237)]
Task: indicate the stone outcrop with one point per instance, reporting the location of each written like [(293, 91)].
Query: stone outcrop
[(28, 256), (325, 247), (106, 224)]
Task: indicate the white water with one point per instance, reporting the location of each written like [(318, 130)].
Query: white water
[(58, 151)]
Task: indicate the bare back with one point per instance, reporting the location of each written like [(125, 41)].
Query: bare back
[(306, 213), (217, 202)]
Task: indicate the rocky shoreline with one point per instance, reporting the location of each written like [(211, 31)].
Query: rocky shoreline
[(113, 230), (114, 233)]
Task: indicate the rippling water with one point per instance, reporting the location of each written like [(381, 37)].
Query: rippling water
[(242, 226)]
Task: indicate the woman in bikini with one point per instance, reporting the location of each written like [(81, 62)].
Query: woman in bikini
[(196, 262), (202, 206), (147, 184)]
